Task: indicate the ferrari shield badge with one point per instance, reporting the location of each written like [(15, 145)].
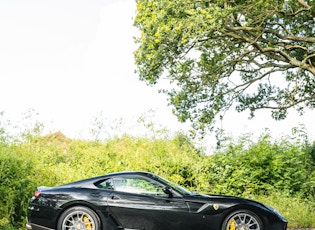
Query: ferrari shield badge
[(216, 207)]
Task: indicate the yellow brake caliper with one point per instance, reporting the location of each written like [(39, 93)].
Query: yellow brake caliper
[(232, 225), (88, 224)]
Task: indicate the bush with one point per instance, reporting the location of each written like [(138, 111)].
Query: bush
[(14, 188), (262, 168)]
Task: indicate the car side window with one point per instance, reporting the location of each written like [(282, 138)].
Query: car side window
[(106, 184), (138, 185)]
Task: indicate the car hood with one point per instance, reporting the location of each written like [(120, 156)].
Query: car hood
[(223, 199)]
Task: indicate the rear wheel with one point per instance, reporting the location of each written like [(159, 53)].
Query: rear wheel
[(242, 220), (78, 218)]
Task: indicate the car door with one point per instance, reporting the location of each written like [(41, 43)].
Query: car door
[(138, 202), (205, 212)]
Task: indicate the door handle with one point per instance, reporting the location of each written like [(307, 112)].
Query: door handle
[(115, 197)]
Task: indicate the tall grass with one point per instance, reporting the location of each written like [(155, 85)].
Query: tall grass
[(300, 212)]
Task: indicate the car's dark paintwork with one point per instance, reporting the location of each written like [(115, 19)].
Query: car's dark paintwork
[(122, 210)]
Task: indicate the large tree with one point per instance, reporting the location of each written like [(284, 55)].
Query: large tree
[(222, 54)]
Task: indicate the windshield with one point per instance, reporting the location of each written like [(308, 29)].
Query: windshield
[(176, 187)]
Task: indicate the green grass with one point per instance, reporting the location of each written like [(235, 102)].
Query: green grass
[(298, 211)]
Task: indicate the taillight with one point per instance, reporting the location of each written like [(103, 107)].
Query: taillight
[(36, 193)]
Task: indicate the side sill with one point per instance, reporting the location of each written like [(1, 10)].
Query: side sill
[(36, 227)]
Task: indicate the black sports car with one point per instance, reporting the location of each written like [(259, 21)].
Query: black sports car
[(142, 200)]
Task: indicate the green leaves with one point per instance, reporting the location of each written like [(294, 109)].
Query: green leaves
[(15, 185), (263, 167), (219, 53)]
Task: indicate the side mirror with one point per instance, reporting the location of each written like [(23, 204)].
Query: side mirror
[(169, 191)]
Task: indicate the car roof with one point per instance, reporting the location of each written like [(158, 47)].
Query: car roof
[(88, 182), (128, 172)]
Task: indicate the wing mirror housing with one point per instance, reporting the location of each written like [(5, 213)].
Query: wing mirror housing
[(169, 191)]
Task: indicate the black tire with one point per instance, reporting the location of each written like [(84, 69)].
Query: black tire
[(78, 216), (242, 219)]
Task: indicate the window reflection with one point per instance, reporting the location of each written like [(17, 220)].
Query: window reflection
[(138, 185)]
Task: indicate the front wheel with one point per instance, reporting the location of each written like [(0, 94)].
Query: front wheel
[(242, 220), (78, 218)]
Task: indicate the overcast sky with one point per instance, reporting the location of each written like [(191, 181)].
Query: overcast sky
[(70, 60)]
